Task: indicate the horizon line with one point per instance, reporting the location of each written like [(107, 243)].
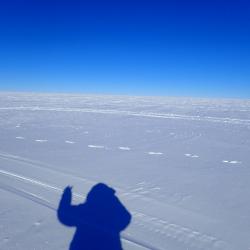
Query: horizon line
[(120, 94)]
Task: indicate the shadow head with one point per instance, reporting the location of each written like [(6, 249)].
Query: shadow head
[(99, 193)]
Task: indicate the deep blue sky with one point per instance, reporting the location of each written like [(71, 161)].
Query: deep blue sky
[(178, 48)]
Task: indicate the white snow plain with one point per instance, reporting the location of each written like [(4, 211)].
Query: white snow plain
[(179, 165)]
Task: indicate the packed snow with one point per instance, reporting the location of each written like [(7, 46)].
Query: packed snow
[(180, 167)]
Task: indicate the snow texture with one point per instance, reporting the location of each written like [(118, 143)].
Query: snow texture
[(180, 166)]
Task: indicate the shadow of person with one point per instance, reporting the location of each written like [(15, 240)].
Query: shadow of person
[(98, 221)]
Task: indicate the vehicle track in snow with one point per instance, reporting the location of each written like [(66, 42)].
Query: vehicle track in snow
[(191, 239), (46, 203), (134, 113), (184, 235)]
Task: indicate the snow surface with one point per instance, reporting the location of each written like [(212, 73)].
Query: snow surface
[(179, 165)]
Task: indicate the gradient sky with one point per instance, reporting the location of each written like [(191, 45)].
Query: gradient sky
[(173, 48)]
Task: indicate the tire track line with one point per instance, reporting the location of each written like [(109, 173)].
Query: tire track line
[(184, 235), (45, 203), (138, 114)]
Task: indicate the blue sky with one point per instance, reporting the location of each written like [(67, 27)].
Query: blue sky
[(172, 48)]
